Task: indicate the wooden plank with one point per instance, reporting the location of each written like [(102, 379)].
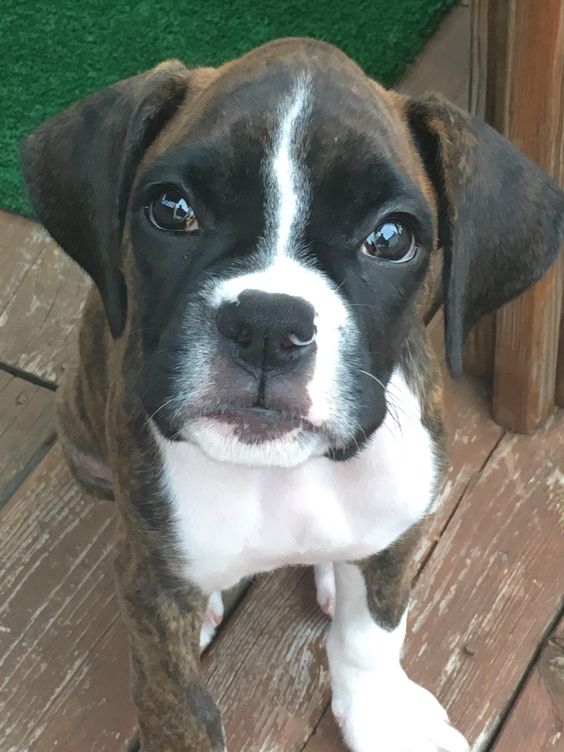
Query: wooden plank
[(27, 429), (478, 74), (491, 589), (94, 711), (536, 721), (268, 671), (21, 244), (41, 297), (479, 349), (473, 436), (517, 74), (526, 353), (527, 42), (56, 595), (495, 583)]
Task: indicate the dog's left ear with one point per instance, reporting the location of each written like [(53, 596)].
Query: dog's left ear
[(501, 218), (79, 167)]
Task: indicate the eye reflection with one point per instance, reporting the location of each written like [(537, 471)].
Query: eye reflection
[(171, 211), (391, 241)]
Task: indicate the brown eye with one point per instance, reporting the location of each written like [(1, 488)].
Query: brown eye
[(391, 241), (171, 211)]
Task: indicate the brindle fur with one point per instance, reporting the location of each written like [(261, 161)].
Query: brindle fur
[(388, 574), (100, 417)]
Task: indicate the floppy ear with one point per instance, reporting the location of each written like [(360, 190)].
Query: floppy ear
[(501, 218), (79, 168)]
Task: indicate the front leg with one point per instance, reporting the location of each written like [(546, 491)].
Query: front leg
[(164, 618), (377, 706)]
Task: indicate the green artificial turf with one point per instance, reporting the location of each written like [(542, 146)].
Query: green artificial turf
[(53, 52)]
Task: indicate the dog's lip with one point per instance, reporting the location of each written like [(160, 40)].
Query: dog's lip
[(258, 419)]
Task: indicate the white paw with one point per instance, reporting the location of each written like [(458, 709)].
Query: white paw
[(385, 714), (212, 619), (325, 587)]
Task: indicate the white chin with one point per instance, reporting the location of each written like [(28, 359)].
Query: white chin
[(219, 441)]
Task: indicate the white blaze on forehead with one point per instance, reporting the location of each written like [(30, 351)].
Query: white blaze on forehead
[(286, 188), (282, 268)]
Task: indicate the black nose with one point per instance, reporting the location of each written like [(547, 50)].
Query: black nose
[(268, 330)]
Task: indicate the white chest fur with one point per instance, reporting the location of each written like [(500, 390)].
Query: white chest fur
[(233, 520)]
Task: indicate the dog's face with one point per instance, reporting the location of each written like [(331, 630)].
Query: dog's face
[(279, 240), (268, 235)]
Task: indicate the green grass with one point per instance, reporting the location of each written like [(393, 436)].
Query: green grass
[(53, 52)]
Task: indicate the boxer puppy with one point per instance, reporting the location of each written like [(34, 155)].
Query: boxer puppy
[(254, 383)]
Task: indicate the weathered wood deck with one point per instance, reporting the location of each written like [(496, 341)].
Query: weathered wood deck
[(486, 631)]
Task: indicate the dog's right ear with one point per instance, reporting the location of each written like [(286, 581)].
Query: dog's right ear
[(501, 218), (79, 168)]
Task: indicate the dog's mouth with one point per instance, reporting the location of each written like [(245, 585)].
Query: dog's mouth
[(257, 424), (252, 434)]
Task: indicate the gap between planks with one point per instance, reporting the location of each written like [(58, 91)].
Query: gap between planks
[(536, 720), (28, 376), (27, 430)]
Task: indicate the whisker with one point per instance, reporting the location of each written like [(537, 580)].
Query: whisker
[(162, 407)]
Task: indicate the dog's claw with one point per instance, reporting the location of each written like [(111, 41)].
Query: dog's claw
[(325, 587), (212, 619)]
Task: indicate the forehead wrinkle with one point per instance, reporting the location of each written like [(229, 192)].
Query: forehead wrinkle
[(286, 185)]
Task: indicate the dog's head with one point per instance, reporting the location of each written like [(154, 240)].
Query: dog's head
[(264, 231)]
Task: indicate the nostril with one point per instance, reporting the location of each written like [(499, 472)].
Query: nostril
[(299, 340), (233, 326), (244, 336), (292, 340)]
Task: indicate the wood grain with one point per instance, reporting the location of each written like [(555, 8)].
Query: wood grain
[(526, 354), (478, 72), (56, 596), (525, 101), (27, 430), (41, 298), (492, 587), (268, 670), (479, 349), (495, 582), (472, 436), (536, 721)]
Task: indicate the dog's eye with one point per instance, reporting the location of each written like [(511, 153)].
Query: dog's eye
[(392, 241), (171, 211)]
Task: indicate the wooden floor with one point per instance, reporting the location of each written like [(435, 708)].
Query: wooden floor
[(486, 631)]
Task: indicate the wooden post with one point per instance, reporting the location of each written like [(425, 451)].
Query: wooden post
[(524, 99)]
